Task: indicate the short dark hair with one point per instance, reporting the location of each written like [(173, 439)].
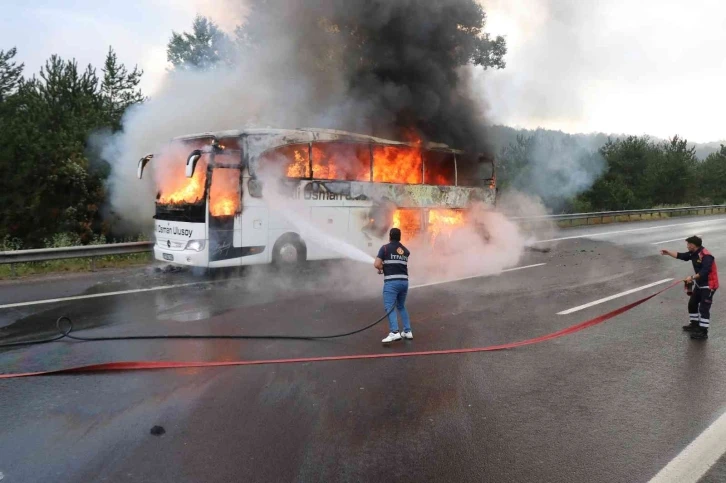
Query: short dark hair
[(395, 234), (695, 240)]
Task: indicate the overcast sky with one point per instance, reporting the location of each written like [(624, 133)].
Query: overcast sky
[(618, 66)]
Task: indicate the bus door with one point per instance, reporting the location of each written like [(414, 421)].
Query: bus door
[(225, 209), (254, 223)]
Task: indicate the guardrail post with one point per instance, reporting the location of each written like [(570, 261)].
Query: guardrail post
[(12, 270), (93, 264)]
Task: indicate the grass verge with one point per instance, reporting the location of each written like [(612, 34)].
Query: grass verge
[(76, 265)]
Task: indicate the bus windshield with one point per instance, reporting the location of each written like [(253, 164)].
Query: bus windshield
[(169, 172), (180, 198)]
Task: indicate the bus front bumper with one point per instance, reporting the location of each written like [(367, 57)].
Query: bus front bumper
[(188, 258)]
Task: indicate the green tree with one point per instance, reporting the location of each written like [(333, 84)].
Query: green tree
[(711, 177), (204, 48), (670, 174), (622, 186), (643, 174), (10, 73), (47, 185), (49, 189), (119, 89)]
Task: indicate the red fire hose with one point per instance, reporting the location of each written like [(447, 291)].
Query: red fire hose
[(155, 365)]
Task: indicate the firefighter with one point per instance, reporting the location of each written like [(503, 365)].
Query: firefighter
[(392, 262), (704, 282)]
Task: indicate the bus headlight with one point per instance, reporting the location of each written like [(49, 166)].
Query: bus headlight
[(196, 245)]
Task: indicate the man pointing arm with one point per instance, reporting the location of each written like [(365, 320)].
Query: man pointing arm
[(705, 281)]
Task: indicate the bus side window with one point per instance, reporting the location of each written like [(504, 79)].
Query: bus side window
[(439, 168), (397, 164), (474, 170), (292, 161), (341, 161)]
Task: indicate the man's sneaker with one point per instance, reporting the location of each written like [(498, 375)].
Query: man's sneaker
[(693, 326), (392, 337), (408, 335), (700, 334)]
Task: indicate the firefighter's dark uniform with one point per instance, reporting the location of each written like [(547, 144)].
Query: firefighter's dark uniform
[(395, 285), (699, 306)]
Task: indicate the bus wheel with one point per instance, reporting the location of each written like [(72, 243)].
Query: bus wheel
[(289, 251)]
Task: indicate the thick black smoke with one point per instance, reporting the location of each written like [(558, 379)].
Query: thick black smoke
[(402, 63), (381, 67)]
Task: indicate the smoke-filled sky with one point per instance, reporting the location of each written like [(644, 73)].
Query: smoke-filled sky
[(617, 66)]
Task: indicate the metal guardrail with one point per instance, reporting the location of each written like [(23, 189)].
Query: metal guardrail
[(87, 251), (603, 217), (574, 219)]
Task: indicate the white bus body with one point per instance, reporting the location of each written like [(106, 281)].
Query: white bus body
[(355, 211)]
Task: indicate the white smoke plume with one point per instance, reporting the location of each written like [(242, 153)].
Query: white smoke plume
[(284, 84), (552, 166), (467, 251)]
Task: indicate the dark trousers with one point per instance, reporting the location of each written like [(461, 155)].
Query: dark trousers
[(699, 306)]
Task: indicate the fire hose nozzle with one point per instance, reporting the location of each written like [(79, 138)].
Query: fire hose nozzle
[(688, 286)]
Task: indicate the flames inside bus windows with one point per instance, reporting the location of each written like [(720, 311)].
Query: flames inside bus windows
[(397, 164), (439, 168), (341, 161), (439, 223), (442, 223), (291, 161), (409, 221)]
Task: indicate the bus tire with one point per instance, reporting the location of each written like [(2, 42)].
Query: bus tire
[(289, 251)]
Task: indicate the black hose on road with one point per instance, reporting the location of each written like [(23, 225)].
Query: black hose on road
[(65, 333)]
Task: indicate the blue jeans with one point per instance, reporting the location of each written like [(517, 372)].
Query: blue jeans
[(394, 293)]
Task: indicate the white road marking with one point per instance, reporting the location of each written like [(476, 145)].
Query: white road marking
[(628, 231), (670, 241), (169, 287), (476, 276), (706, 231), (698, 457), (99, 295), (612, 297)]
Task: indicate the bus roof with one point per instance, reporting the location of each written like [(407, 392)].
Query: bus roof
[(305, 135)]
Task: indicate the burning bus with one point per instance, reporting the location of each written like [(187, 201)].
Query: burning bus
[(213, 203)]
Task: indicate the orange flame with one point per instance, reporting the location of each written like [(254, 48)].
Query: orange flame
[(177, 188), (342, 162), (397, 164), (352, 162), (440, 222), (169, 173), (444, 222), (224, 207), (412, 136), (408, 221), (299, 166), (224, 195)]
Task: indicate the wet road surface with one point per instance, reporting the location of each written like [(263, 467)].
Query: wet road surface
[(614, 403)]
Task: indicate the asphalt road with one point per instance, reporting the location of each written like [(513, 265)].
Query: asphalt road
[(614, 403)]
